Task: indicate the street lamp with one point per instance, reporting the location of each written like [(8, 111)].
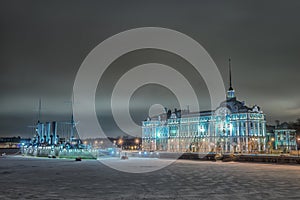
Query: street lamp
[(272, 143), (120, 142), (137, 142)]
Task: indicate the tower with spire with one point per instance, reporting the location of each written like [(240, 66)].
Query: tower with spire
[(225, 129), (230, 92)]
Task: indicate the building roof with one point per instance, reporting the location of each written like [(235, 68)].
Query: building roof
[(235, 106)]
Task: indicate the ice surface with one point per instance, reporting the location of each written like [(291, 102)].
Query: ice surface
[(32, 178)]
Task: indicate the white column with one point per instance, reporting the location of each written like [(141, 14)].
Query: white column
[(259, 136), (238, 135), (246, 135)]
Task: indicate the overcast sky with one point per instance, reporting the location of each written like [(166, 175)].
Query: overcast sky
[(43, 44)]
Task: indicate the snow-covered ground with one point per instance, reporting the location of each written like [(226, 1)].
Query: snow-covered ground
[(32, 178)]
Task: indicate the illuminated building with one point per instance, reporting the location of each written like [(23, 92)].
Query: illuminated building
[(232, 127), (282, 138)]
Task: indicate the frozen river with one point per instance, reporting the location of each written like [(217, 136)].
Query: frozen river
[(32, 178)]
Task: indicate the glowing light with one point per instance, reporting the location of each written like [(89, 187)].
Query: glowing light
[(158, 134), (230, 127), (120, 142), (201, 129)]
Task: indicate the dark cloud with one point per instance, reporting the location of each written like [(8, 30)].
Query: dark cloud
[(43, 43)]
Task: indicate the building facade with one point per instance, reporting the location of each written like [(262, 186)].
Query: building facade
[(232, 127), (282, 137)]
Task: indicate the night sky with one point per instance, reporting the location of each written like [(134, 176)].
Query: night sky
[(43, 44)]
